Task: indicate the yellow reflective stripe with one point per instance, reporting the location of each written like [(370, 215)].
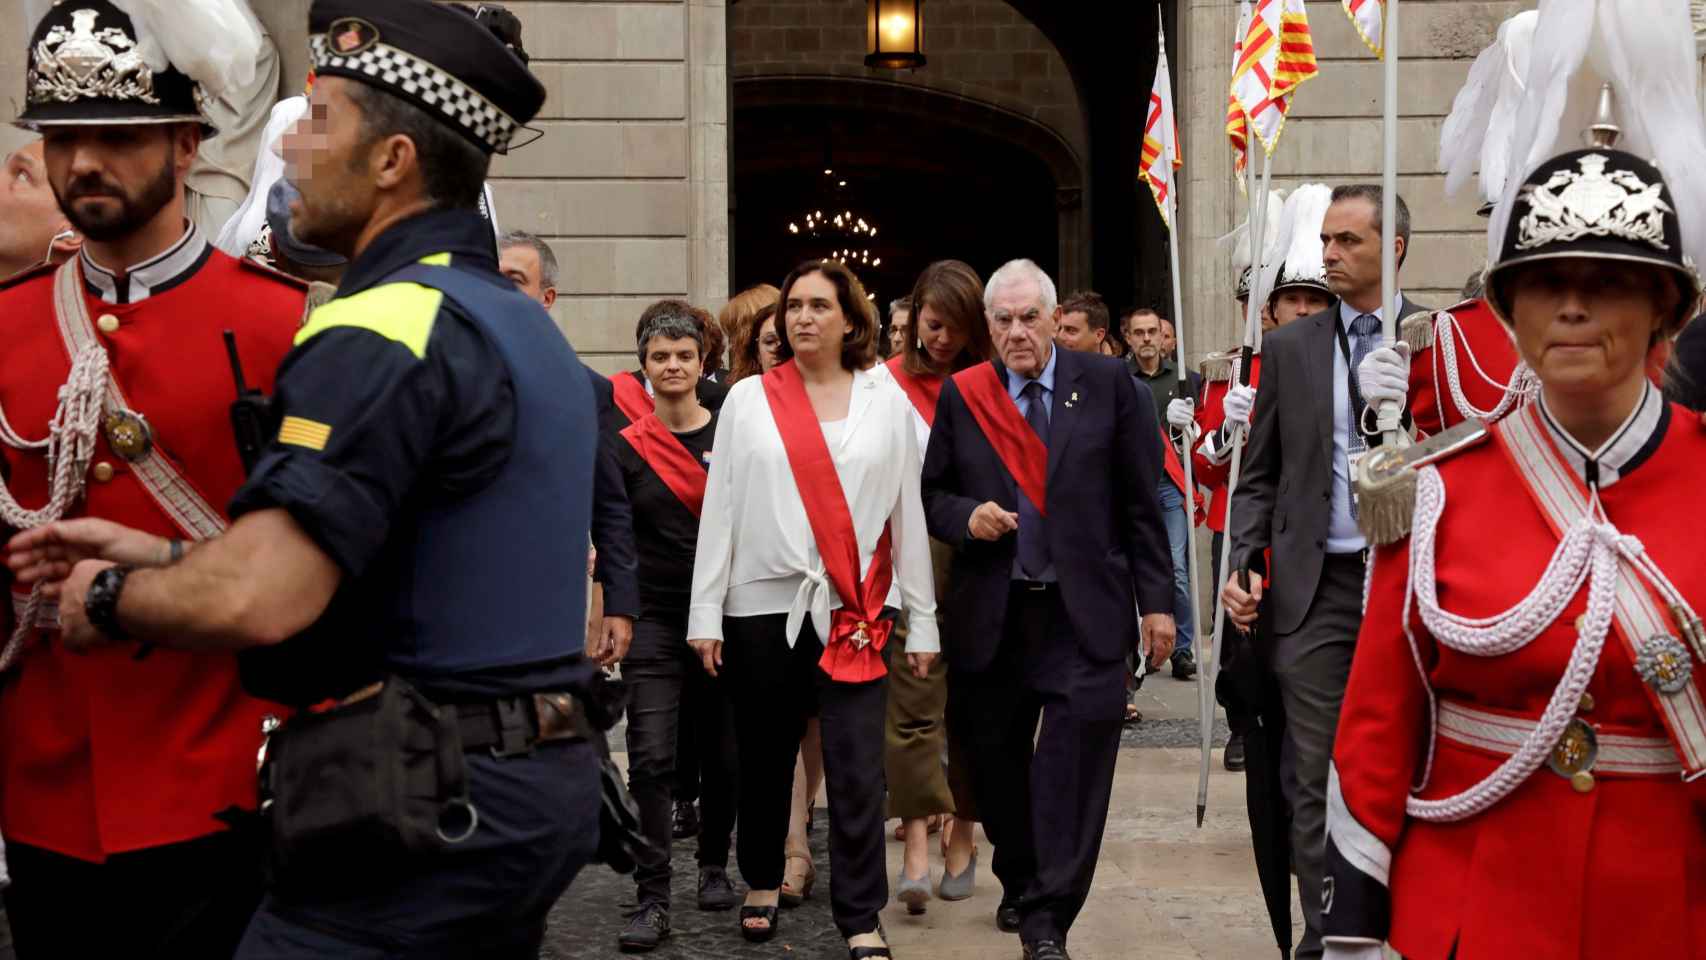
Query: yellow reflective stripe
[(403, 312), (437, 260), (301, 432)]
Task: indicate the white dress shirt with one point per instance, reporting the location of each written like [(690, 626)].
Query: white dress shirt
[(920, 429), (756, 552)]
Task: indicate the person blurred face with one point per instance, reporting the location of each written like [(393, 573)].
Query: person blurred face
[(1073, 332), (673, 365), (815, 324), (1169, 337), (111, 180), (1144, 336), (769, 342), (900, 327), (29, 216), (1350, 238), (942, 340), (520, 263), (1295, 302), (1022, 330), (325, 156), (1585, 326)]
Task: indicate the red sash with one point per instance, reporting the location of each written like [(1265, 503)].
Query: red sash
[(631, 396), (853, 651), (922, 391), (670, 459), (1020, 449), (1176, 471)]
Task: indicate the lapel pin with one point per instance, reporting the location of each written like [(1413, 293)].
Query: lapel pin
[(1072, 399)]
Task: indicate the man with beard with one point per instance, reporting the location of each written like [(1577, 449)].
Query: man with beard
[(117, 387), (32, 228), (432, 468)]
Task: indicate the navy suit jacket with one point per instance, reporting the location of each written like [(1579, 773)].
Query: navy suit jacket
[(1106, 534), (618, 567)]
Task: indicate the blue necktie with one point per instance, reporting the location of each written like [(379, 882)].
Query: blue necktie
[(1363, 342), (1033, 539)]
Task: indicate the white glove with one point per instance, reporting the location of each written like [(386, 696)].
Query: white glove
[(1181, 413), (1384, 375), (1236, 406), (1352, 951)]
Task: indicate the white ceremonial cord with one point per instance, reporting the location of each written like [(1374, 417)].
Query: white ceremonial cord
[(1588, 551), (69, 446), (1523, 386)]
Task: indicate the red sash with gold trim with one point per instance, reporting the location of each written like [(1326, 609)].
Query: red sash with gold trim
[(853, 651), (631, 396), (670, 459), (1020, 449), (921, 390)]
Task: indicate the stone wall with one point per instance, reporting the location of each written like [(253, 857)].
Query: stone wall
[(1333, 135), (629, 182)]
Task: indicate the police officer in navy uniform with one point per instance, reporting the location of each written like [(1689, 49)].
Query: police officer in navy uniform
[(432, 469)]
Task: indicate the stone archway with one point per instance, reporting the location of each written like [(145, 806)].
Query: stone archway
[(953, 129)]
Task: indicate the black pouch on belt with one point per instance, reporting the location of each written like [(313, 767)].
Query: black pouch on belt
[(373, 782)]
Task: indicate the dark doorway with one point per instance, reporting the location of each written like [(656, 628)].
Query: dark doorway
[(932, 189)]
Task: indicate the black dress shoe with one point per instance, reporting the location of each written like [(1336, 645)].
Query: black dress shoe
[(647, 928), (1234, 759), (715, 890), (686, 822), (1045, 950), (1007, 918), (1184, 665)]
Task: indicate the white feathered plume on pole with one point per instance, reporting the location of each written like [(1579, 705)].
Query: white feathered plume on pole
[(1645, 50), (216, 43)]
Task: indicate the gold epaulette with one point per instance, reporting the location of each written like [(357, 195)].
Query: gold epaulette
[(1417, 330), (1217, 367), (1386, 480)]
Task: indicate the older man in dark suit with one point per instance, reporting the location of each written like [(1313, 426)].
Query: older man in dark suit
[(1041, 473), (1296, 499)]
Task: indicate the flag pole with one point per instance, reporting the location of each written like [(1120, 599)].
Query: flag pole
[(1387, 416), (1210, 673)]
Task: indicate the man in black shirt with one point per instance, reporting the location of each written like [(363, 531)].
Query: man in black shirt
[(664, 458)]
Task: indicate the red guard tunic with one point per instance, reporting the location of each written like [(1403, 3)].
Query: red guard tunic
[(1549, 871), (103, 753), (1210, 416), (1485, 354)]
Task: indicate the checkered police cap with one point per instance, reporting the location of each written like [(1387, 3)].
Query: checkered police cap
[(432, 55)]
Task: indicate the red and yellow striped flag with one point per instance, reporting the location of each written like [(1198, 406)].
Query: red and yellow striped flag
[(1161, 139), (1276, 56), (1295, 62), (1369, 19), (1238, 125)]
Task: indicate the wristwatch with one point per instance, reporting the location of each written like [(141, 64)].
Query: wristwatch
[(101, 603)]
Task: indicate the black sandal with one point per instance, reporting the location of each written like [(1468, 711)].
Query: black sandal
[(769, 915), (865, 953)]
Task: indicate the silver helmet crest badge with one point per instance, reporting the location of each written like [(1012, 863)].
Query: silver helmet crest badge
[(1590, 201), (86, 63)]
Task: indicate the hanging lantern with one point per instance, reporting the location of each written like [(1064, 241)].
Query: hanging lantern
[(894, 34)]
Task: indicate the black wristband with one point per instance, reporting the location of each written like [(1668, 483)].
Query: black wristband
[(100, 605)]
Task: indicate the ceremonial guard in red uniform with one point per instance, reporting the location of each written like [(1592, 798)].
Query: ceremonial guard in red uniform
[(116, 389), (1518, 753)]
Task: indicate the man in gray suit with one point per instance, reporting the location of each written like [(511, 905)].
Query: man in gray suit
[(1296, 499)]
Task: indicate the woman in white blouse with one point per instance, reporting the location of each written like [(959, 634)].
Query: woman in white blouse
[(816, 469)]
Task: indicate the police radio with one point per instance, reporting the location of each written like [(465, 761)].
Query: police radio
[(249, 413)]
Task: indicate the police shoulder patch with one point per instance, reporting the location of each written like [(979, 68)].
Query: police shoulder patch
[(302, 432), (401, 312)]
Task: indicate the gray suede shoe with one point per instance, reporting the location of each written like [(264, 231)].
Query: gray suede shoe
[(914, 893), (959, 887)]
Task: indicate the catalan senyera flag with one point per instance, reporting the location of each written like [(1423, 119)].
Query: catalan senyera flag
[(1161, 139), (1238, 125), (1369, 19), (1276, 56)]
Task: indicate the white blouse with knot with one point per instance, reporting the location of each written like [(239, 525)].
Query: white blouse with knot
[(756, 553)]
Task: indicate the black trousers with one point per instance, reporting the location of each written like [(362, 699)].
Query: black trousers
[(190, 899), (1044, 807), (666, 685), (775, 688)]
